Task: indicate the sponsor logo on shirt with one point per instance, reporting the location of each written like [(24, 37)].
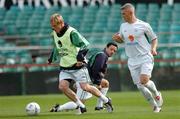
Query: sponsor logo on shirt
[(131, 38), (136, 30), (63, 52), (132, 43)]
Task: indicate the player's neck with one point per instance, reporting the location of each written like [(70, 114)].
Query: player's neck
[(133, 20)]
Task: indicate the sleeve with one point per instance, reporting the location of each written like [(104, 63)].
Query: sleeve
[(50, 57), (54, 53), (149, 32), (120, 32), (97, 68), (79, 41), (53, 56)]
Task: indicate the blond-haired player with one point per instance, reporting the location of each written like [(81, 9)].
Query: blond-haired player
[(71, 47)]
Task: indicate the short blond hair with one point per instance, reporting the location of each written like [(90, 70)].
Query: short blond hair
[(56, 18), (128, 5)]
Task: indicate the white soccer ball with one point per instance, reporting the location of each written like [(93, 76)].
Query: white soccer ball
[(32, 108)]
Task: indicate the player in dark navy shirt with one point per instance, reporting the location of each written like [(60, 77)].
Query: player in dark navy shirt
[(97, 66)]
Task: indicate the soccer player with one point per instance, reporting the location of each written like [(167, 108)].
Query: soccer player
[(137, 35), (71, 47), (97, 66)]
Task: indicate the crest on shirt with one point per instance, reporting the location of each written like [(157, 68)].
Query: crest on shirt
[(131, 38), (136, 30)]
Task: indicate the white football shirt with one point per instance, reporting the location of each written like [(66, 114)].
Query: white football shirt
[(137, 38)]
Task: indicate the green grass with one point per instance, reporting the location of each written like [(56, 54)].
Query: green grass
[(127, 105)]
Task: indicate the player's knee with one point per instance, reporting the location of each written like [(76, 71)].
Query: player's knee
[(63, 86), (85, 87), (144, 79), (140, 86), (104, 83)]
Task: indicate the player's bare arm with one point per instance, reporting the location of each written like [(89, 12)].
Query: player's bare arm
[(154, 47), (116, 37)]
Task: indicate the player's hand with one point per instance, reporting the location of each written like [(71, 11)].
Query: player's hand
[(116, 37), (153, 51), (49, 61), (78, 64)]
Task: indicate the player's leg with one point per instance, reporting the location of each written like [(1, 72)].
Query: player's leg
[(93, 90), (146, 70), (105, 87), (82, 95), (147, 94), (64, 87), (66, 106), (136, 73), (84, 79), (149, 97)]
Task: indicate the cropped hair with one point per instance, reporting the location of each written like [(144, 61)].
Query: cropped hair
[(127, 5), (57, 18), (112, 43)]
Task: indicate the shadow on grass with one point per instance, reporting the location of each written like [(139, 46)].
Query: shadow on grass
[(35, 116)]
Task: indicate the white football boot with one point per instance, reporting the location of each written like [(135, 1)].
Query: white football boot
[(156, 109)]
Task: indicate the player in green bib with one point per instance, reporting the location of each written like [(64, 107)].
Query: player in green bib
[(70, 47)]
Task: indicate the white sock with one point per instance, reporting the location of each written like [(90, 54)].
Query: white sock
[(151, 86), (104, 91), (80, 104), (103, 98), (147, 94), (99, 101), (67, 106)]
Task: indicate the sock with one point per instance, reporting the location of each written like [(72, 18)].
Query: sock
[(79, 103), (151, 86), (104, 91), (147, 94), (99, 101), (67, 106), (103, 98)]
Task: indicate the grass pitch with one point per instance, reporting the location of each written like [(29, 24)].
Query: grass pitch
[(127, 105)]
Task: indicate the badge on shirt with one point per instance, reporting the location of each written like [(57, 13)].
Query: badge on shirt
[(131, 38)]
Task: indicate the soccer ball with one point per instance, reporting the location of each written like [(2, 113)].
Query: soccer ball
[(32, 108)]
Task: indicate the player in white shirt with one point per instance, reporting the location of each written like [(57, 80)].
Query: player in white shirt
[(137, 36)]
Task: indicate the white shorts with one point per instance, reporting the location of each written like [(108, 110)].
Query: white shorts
[(137, 70), (82, 95), (79, 75)]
